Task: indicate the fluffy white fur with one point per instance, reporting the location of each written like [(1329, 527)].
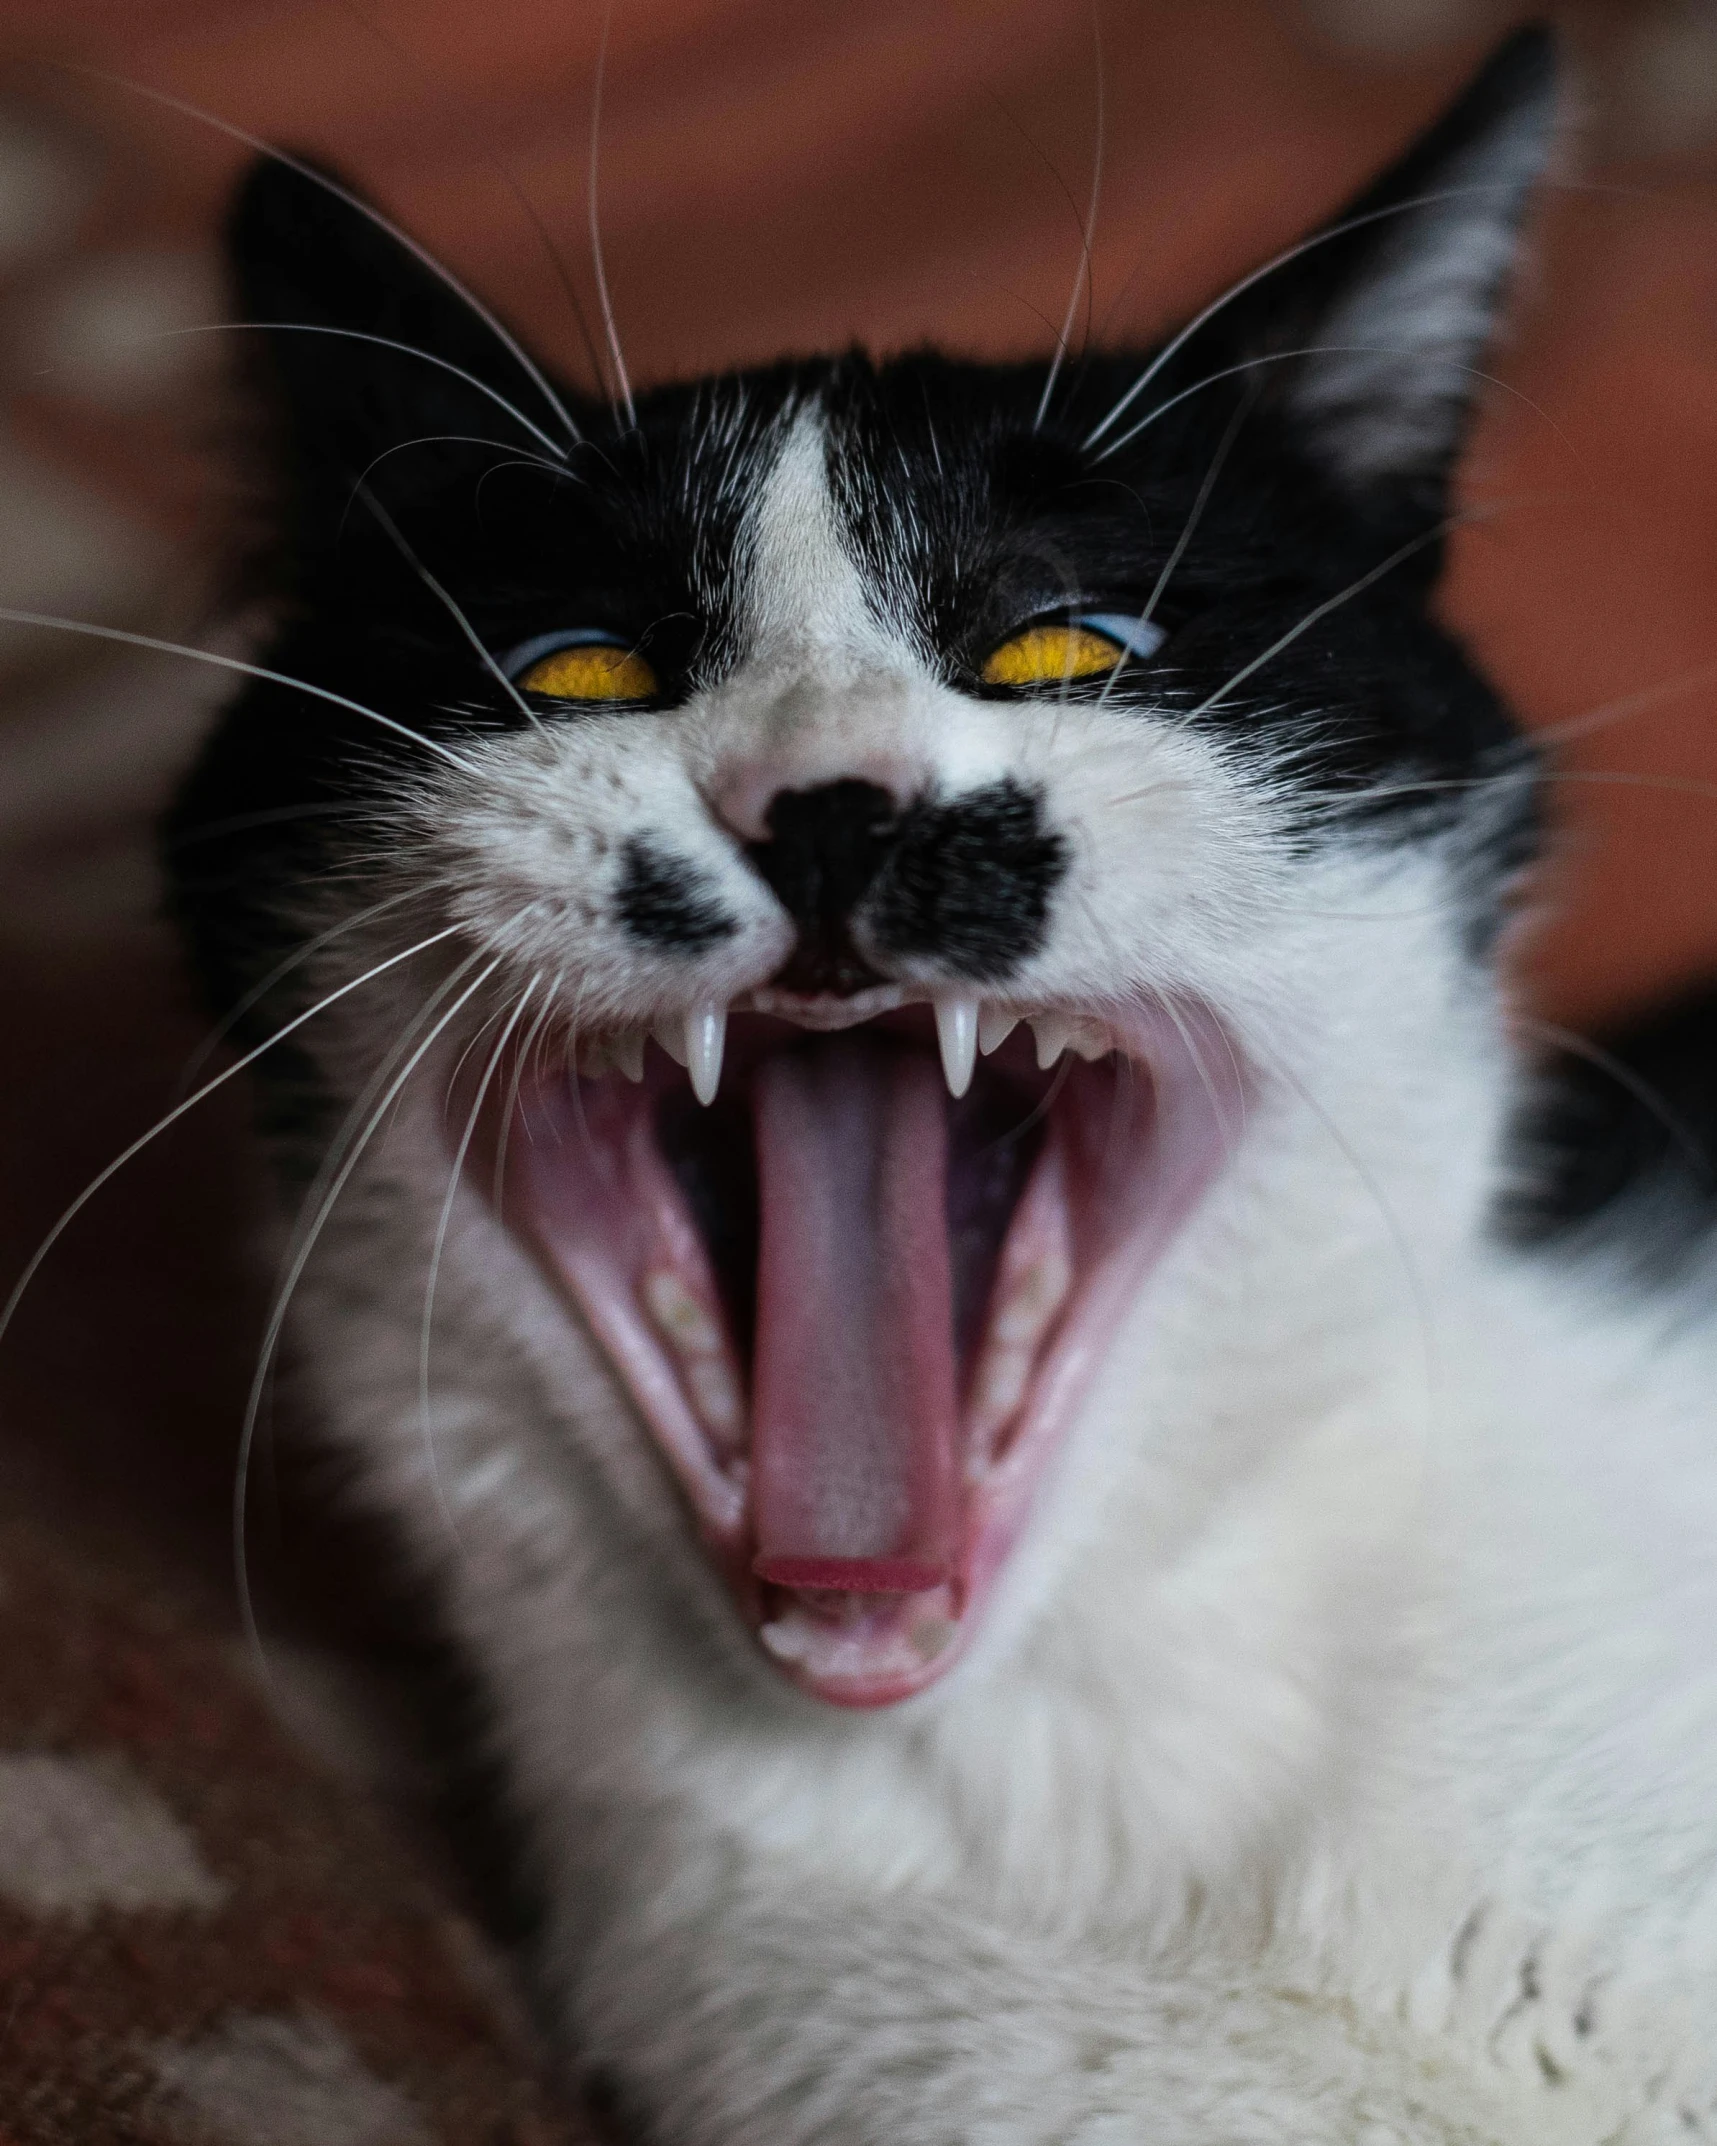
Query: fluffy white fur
[(1339, 1761)]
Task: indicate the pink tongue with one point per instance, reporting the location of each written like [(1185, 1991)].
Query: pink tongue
[(854, 1457)]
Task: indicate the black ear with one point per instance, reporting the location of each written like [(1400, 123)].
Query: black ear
[(368, 343), (1402, 299)]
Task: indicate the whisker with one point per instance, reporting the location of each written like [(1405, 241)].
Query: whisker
[(509, 342), (473, 1042), (441, 1230), (1231, 433), (1329, 350), (1281, 260), (444, 596), (1433, 785), (233, 663), (520, 1060), (307, 952), (300, 1260), (1356, 587), (277, 815), (345, 335), (1615, 711), (622, 384), (191, 1101), (1088, 233), (493, 163), (1231, 1135), (1418, 1295), (1626, 1078), (510, 448)]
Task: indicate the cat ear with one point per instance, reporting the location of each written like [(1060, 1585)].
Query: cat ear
[(369, 343), (1401, 300)]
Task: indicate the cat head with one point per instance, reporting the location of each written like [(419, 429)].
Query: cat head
[(893, 862)]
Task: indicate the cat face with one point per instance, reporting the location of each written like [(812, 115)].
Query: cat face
[(876, 843)]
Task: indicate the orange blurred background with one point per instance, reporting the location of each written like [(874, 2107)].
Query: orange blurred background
[(773, 174)]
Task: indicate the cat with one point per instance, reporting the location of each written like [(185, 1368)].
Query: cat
[(873, 986)]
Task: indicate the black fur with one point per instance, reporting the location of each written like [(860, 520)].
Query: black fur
[(662, 903), (1615, 1145), (970, 882), (969, 517)]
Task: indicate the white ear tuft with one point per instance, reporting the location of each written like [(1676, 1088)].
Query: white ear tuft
[(1399, 339)]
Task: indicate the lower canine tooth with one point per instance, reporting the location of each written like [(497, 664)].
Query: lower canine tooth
[(705, 1041), (957, 1033)]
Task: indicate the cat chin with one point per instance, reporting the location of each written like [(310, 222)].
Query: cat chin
[(985, 1250)]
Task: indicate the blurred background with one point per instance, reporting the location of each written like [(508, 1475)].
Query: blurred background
[(771, 174)]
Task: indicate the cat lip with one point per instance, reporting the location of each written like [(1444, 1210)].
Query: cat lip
[(960, 1313)]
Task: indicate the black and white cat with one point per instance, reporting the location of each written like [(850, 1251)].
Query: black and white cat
[(895, 1111)]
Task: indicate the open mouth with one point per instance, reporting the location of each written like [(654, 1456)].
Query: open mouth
[(856, 1309)]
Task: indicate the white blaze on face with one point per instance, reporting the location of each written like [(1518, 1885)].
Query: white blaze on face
[(826, 692)]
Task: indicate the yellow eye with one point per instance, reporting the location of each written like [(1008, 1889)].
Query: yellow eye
[(1050, 655), (592, 671)]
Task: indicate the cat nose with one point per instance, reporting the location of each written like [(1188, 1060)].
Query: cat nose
[(825, 849), (747, 791)]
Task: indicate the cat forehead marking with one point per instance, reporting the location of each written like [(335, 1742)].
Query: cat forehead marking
[(805, 601)]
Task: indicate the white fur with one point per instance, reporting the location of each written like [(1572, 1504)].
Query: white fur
[(1339, 1761), (1390, 388)]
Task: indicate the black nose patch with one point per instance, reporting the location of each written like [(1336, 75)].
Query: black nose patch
[(966, 881), (970, 882), (826, 847)]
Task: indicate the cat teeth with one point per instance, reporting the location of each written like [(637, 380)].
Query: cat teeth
[(622, 1051), (695, 1339), (671, 1035), (964, 1028), (1058, 1032), (627, 1051), (705, 1040), (1051, 1031), (995, 1026), (957, 1033)]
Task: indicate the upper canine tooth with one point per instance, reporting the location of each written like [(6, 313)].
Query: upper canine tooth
[(706, 1040), (627, 1051), (957, 1033), (995, 1026), (1053, 1031), (671, 1035)]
